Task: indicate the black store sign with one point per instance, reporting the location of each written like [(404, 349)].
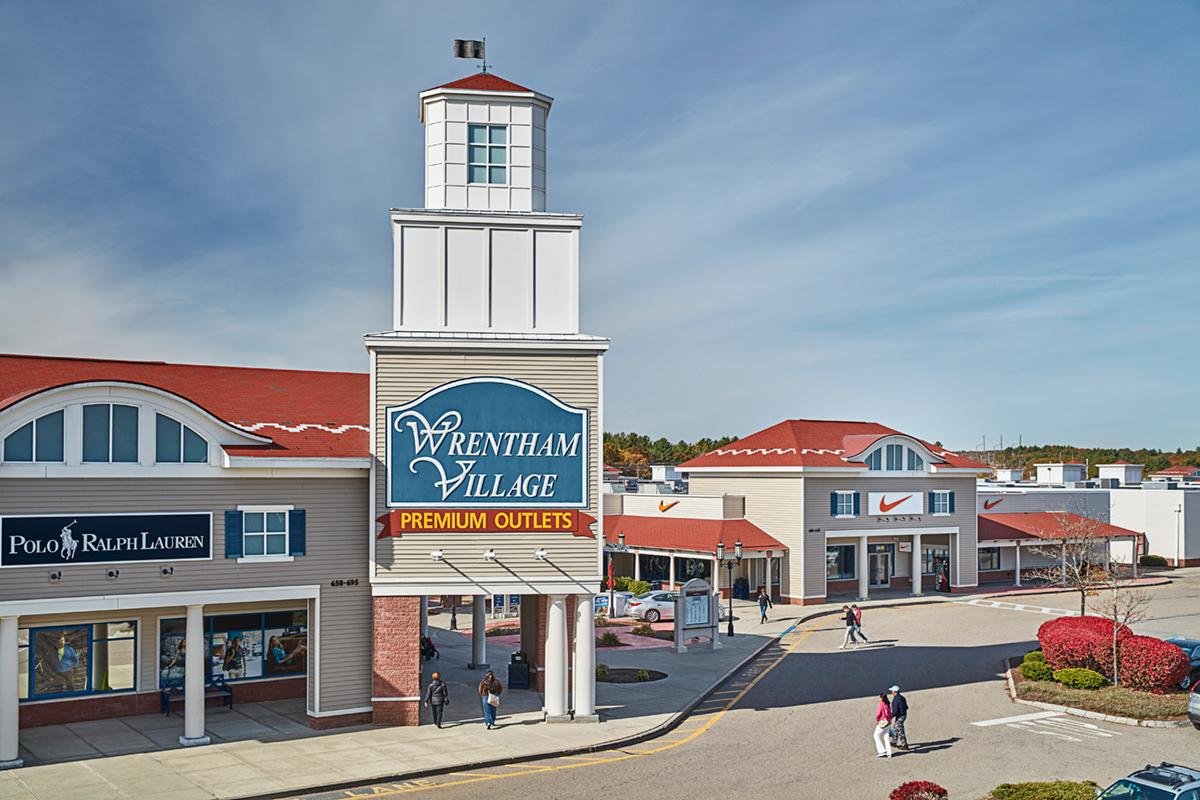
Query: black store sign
[(75, 539)]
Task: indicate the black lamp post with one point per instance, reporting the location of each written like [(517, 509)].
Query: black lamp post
[(454, 613), (737, 559)]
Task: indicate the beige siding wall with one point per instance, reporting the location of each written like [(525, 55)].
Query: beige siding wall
[(773, 503), (336, 548), (401, 377)]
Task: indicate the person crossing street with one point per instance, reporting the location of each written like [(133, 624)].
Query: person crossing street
[(764, 602), (899, 705)]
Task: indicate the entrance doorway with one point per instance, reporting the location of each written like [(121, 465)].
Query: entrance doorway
[(879, 569)]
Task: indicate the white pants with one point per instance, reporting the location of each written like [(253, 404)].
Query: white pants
[(883, 742)]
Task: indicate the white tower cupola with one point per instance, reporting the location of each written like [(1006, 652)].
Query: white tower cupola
[(485, 145)]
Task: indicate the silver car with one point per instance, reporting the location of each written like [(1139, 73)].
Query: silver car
[(652, 606), (1164, 782)]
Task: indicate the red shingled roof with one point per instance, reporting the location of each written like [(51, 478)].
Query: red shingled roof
[(1045, 525), (691, 535), (485, 82), (307, 414), (812, 443), (1181, 469)]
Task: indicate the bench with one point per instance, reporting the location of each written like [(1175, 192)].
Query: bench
[(213, 687)]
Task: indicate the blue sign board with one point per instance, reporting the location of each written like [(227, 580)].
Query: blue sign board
[(487, 443), (28, 541)]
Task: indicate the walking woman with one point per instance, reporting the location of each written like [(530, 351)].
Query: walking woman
[(437, 697), (851, 625), (489, 696), (883, 721), (764, 602)]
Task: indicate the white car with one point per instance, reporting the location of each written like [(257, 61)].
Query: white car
[(652, 606)]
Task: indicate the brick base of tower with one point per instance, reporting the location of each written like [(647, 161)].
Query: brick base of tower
[(396, 661)]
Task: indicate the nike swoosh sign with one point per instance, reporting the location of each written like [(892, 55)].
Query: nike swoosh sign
[(886, 507), (665, 507), (992, 503)]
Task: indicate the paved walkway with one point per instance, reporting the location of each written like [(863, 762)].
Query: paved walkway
[(256, 761)]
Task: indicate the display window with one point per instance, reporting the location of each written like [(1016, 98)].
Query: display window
[(238, 646), (70, 660)]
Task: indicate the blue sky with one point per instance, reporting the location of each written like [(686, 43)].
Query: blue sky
[(958, 219)]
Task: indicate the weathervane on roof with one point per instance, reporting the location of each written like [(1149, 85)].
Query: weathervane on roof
[(472, 48)]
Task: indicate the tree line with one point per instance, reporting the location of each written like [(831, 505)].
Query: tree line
[(1025, 457), (633, 453)]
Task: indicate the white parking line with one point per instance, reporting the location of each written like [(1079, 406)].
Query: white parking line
[(1056, 612), (1018, 718), (1051, 723)]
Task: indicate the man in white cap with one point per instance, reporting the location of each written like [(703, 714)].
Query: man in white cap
[(899, 715)]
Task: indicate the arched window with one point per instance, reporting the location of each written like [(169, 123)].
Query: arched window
[(895, 458), (176, 443), (39, 440)]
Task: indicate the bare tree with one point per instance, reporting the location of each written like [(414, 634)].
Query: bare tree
[(1080, 546), (1123, 604)]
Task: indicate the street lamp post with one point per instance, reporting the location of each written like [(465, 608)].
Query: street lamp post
[(737, 559), (454, 613)]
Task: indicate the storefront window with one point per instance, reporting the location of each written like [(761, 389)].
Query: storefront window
[(839, 561), (654, 568), (989, 558), (688, 568), (23, 663), (239, 646), (890, 549), (77, 659), (928, 554)]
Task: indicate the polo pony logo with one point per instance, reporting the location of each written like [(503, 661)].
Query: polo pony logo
[(68, 542)]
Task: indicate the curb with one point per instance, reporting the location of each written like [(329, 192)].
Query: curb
[(665, 726), (1079, 712), (1052, 590)]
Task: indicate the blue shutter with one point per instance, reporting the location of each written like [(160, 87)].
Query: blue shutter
[(233, 534), (932, 508), (833, 504), (296, 532), (951, 502), (857, 507)]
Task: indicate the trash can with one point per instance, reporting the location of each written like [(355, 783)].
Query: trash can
[(518, 671), (620, 599)]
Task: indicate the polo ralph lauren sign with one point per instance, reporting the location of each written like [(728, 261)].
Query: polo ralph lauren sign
[(79, 539), (487, 442)]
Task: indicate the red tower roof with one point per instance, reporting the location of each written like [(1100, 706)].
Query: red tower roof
[(485, 82)]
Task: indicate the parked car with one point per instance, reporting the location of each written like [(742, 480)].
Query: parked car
[(1164, 782), (1194, 706), (1192, 648), (652, 606)]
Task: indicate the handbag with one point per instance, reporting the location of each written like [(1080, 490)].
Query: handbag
[(493, 700), (883, 723)]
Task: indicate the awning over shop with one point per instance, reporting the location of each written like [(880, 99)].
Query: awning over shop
[(689, 535), (1033, 525)]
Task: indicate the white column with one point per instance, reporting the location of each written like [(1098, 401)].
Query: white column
[(478, 632), (917, 565), (556, 659), (637, 566), (10, 753), (863, 578), (424, 615), (193, 680), (585, 660), (671, 573), (1017, 571), (1133, 549)]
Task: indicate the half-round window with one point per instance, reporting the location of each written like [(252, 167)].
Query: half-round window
[(40, 440), (176, 443)]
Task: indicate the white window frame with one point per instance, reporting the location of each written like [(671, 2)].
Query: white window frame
[(34, 422), (940, 496), (999, 559), (268, 558), (487, 166), (887, 457), (111, 417), (847, 497), (913, 456), (183, 426), (876, 456)]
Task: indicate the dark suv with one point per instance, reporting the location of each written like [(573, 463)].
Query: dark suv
[(1192, 648), (1164, 782)]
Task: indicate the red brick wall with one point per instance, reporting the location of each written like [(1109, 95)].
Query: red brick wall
[(339, 721), (396, 660)]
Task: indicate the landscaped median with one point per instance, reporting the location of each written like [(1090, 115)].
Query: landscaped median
[(1032, 790), (1075, 670)]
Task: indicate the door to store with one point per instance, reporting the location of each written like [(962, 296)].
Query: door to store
[(880, 569)]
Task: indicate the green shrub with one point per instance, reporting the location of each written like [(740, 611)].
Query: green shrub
[(602, 621), (1035, 655), (645, 629), (1079, 678), (641, 675), (627, 584), (1049, 790), (601, 671), (1036, 671), (1149, 560), (503, 630), (608, 639)]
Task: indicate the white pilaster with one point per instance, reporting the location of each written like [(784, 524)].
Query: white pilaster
[(585, 660), (917, 564), (637, 566), (1017, 571), (10, 753), (863, 561), (478, 633), (556, 659), (193, 680)]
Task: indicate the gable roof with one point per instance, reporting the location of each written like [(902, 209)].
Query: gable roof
[(1045, 525), (814, 443), (687, 534), (485, 82), (1180, 469), (305, 414)]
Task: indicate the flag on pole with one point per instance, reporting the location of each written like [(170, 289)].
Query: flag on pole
[(468, 48)]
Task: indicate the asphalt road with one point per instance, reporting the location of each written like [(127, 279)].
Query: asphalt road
[(798, 722)]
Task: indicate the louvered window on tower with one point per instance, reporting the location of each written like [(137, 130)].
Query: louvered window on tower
[(487, 154)]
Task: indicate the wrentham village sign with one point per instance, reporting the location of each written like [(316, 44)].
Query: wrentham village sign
[(487, 443)]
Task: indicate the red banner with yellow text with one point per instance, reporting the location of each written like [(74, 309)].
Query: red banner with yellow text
[(506, 520)]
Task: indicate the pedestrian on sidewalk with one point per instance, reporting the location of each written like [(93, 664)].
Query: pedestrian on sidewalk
[(858, 622), (437, 697), (851, 624), (764, 602), (883, 722), (899, 705), (489, 696)]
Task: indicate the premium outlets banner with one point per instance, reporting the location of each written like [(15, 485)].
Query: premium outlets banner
[(27, 541), (487, 443)]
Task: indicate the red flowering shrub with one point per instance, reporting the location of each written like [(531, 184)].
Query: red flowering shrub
[(1084, 642), (918, 790), (1151, 665)]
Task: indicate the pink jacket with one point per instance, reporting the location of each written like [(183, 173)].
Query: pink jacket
[(883, 712)]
